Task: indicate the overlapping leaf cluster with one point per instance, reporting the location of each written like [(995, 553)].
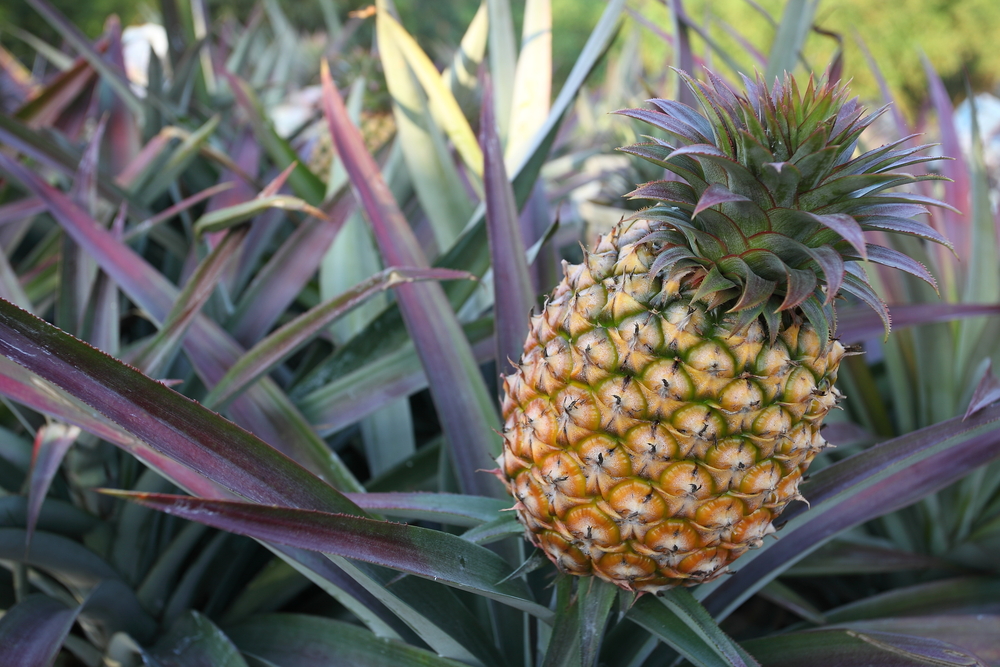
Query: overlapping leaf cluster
[(219, 236), (770, 200)]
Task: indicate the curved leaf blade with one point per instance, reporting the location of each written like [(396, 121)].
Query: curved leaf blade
[(52, 441), (33, 631), (179, 427), (684, 625), (513, 294), (422, 552), (279, 345), (460, 394)]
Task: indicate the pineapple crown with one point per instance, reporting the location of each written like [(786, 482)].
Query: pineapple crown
[(766, 206)]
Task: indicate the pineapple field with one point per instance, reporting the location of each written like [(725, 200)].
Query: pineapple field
[(342, 333)]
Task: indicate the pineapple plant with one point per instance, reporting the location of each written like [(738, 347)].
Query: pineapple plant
[(407, 571), (671, 392)]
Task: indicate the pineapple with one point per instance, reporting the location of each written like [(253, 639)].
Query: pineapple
[(671, 392)]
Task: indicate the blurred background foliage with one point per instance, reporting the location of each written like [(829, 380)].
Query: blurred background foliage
[(957, 36)]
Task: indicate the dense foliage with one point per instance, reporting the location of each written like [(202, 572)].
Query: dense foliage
[(258, 290)]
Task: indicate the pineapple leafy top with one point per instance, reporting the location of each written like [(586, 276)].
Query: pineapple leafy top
[(766, 204)]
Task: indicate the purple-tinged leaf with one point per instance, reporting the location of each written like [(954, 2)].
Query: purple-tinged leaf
[(714, 195), (855, 325), (975, 633), (102, 323), (839, 647), (460, 395), (24, 387), (986, 393), (246, 155), (180, 428), (843, 557), (673, 192), (957, 595), (903, 226), (258, 243), (682, 51), (264, 409), (512, 291), (880, 480), (396, 374), (846, 226), (958, 192), (866, 294), (159, 352), (10, 287), (76, 268), (47, 106), (304, 183), (314, 641), (278, 346), (21, 209), (123, 137), (422, 552), (33, 631), (178, 208), (671, 124), (52, 441), (154, 149), (224, 218), (450, 508), (281, 280), (165, 173), (897, 260), (109, 73)]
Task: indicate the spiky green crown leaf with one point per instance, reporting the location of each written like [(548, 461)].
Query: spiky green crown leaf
[(769, 203)]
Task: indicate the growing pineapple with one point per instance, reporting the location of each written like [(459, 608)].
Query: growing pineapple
[(671, 392)]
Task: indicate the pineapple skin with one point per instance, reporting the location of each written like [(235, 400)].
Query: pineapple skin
[(645, 441)]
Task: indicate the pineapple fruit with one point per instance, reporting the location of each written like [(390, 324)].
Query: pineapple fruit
[(671, 392)]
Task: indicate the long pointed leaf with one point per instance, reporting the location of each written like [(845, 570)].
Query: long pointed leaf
[(112, 75), (33, 631), (278, 346), (682, 633), (445, 109), (795, 26), (179, 427), (532, 78), (855, 325), (264, 408), (51, 444), (436, 180), (420, 551), (460, 394), (157, 355), (513, 294)]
